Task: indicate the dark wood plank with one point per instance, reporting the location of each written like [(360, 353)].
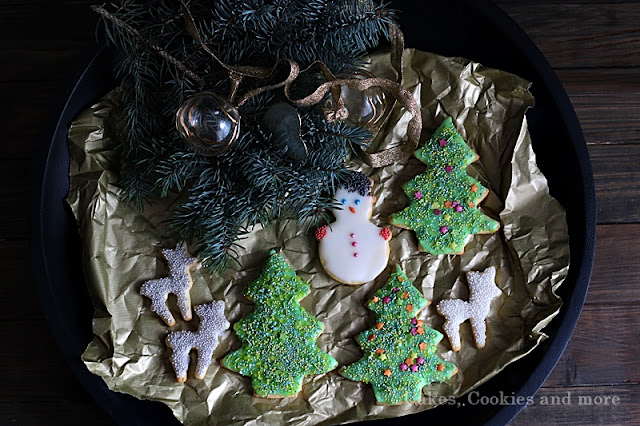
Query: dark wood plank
[(14, 175), (587, 34), (616, 272), (27, 108), (15, 199), (589, 405), (603, 349), (17, 281), (616, 170), (571, 34), (607, 102), (47, 61)]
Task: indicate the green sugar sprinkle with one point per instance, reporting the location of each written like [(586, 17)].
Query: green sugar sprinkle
[(444, 199), (278, 337), (399, 350)]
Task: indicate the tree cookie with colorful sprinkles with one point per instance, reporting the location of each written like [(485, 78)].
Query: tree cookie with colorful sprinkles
[(399, 350), (279, 337), (444, 199)]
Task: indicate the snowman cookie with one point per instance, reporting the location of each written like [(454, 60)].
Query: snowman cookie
[(352, 249)]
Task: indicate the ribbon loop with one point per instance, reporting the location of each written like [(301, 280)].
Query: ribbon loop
[(238, 72)]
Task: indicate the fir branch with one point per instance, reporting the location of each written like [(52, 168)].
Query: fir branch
[(253, 182), (178, 170), (128, 28)]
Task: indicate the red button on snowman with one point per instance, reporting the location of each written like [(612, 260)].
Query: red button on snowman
[(352, 249)]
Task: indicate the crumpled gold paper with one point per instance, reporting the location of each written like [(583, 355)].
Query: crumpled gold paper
[(531, 253)]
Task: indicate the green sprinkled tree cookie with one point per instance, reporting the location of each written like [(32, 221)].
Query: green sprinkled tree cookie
[(444, 199), (399, 351), (279, 337)]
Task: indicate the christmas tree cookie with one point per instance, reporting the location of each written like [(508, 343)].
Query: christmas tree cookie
[(399, 351), (444, 199), (279, 337)]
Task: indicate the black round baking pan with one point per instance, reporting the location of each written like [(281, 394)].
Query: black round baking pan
[(475, 29)]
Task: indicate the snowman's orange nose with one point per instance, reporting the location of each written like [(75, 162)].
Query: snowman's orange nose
[(352, 209)]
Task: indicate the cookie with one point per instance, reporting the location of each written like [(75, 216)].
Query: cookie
[(205, 340), (443, 209), (352, 249), (399, 350), (279, 337), (482, 290), (178, 282)]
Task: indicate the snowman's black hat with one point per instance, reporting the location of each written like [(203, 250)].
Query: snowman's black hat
[(360, 183)]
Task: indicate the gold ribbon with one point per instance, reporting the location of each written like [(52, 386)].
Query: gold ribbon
[(238, 72), (414, 128), (378, 159)]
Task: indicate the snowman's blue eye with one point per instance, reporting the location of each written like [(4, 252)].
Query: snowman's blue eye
[(344, 201), (358, 202)]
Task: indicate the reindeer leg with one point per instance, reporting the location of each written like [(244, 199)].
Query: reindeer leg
[(184, 304), (180, 357), (452, 328), (455, 313), (159, 306), (205, 353), (479, 331)]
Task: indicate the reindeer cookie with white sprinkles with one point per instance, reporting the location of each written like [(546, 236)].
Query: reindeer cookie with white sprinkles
[(205, 340), (178, 282), (482, 290)]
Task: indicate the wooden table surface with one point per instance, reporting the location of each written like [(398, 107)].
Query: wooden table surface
[(593, 45)]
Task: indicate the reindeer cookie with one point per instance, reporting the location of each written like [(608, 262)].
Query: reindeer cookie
[(178, 282), (352, 249), (205, 340), (482, 290)]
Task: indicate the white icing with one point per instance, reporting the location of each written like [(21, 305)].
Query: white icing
[(337, 251), (178, 282), (482, 290), (205, 340)]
